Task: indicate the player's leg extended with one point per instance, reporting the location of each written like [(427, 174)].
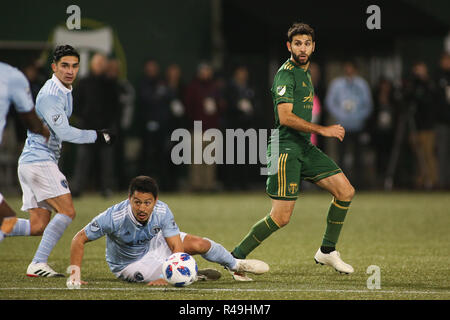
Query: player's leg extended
[(35, 226), (215, 252), (282, 187)]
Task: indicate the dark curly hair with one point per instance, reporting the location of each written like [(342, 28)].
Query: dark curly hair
[(64, 50), (143, 184), (300, 28)]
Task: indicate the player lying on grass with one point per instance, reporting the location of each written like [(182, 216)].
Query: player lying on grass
[(141, 233)]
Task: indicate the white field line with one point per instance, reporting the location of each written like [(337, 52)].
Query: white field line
[(235, 290)]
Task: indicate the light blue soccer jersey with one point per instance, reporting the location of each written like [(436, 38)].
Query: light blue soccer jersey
[(127, 240), (54, 105), (14, 87)]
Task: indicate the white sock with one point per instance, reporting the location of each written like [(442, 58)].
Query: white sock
[(52, 234), (21, 228)]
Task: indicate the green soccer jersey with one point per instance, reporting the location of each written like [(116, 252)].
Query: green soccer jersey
[(292, 84)]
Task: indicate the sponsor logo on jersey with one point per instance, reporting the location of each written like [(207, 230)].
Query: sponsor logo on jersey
[(57, 119), (308, 98)]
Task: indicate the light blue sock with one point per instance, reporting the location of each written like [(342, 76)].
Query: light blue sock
[(52, 234), (217, 253), (21, 228)]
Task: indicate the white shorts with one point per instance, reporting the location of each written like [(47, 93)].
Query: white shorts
[(1, 198), (40, 181), (148, 268)]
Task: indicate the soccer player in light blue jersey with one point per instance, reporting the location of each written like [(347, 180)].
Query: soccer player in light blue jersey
[(141, 233), (14, 88), (45, 188)]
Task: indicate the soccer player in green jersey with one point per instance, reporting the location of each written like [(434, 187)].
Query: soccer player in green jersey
[(298, 158)]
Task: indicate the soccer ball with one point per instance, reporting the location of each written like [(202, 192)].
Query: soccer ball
[(180, 269)]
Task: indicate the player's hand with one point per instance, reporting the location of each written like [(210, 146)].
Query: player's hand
[(105, 136), (73, 283), (158, 282), (334, 131)]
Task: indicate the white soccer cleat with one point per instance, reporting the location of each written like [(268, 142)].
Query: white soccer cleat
[(333, 259), (248, 265), (251, 266), (42, 270), (239, 276), (208, 275)]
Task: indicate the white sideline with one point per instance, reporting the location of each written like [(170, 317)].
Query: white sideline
[(238, 290)]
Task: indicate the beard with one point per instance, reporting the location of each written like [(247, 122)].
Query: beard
[(299, 62)]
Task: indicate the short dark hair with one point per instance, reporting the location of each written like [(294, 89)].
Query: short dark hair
[(143, 184), (64, 50), (300, 28)]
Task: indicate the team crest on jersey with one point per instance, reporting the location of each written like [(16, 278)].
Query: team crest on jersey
[(281, 90), (64, 183), (293, 187), (155, 229)]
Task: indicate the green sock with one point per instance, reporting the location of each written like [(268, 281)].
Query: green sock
[(260, 231), (335, 220)]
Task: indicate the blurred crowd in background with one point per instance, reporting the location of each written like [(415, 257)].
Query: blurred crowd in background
[(397, 136)]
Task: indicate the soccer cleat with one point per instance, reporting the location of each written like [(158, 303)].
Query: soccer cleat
[(251, 266), (208, 275), (42, 270), (239, 276), (248, 265), (333, 259)]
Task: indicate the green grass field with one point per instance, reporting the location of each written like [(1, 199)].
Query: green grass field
[(405, 234)]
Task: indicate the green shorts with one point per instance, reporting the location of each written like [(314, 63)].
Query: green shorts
[(296, 164)]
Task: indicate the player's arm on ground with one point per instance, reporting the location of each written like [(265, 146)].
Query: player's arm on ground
[(76, 256), (291, 120), (101, 225), (52, 110)]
